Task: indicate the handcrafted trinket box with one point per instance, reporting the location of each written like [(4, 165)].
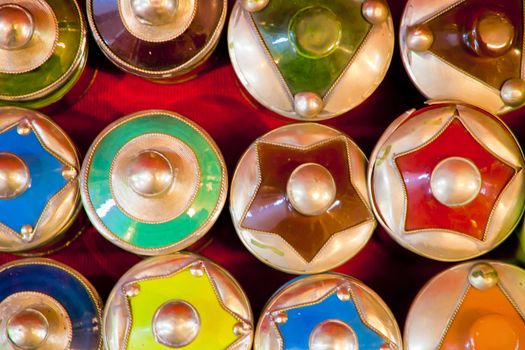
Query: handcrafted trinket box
[(475, 305), (178, 301), (39, 190), (43, 50), (469, 51), (166, 40), (326, 311), (313, 59), (447, 181), (46, 305), (299, 200), (153, 182)]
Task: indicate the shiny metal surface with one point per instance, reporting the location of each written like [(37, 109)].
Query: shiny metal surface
[(150, 173), (308, 105), (254, 5), (176, 324), (28, 35), (375, 11), (27, 329), (483, 276), (513, 92), (387, 188), (116, 320), (491, 35), (263, 80), (309, 290), (65, 205), (14, 175), (155, 13), (419, 38), (430, 314)]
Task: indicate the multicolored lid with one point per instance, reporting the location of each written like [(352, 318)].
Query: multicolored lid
[(311, 60), (454, 189), (476, 305), (39, 188), (43, 50), (181, 301), (299, 200), (466, 50), (157, 40), (46, 305), (326, 311), (154, 182)]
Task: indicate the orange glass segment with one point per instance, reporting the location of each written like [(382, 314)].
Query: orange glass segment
[(271, 211), (486, 320)]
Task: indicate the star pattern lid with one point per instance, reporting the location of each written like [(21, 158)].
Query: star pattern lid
[(453, 190), (485, 299), (299, 200), (327, 311), (315, 59), (180, 301)]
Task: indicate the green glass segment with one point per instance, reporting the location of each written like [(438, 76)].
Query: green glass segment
[(144, 235), (312, 41), (69, 39)]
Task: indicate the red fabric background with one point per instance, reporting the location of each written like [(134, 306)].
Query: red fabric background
[(214, 100)]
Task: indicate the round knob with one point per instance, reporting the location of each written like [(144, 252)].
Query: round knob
[(491, 34), (16, 27), (155, 12), (493, 332), (14, 176), (28, 329), (333, 334), (311, 189), (176, 324), (150, 174), (455, 181)]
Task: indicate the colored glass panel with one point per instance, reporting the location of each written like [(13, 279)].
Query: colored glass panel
[(449, 32), (270, 211), (46, 180), (69, 39), (424, 211), (64, 288), (216, 322), (485, 320), (303, 320), (154, 235), (313, 41)]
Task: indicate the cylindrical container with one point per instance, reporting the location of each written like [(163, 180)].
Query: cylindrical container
[(153, 182), (470, 51), (181, 301), (45, 305), (43, 50), (39, 188), (311, 60), (299, 200), (447, 181), (159, 40), (326, 311), (475, 305)]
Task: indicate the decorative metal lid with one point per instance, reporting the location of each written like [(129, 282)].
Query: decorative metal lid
[(466, 50), (46, 305), (481, 304), (181, 301), (154, 182), (327, 311), (157, 40), (454, 189), (299, 200), (311, 60), (37, 55), (39, 188)]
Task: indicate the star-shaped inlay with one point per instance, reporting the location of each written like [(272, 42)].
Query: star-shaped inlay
[(312, 42), (43, 171), (270, 211), (421, 168), (186, 296), (332, 320), (468, 22), (485, 319)]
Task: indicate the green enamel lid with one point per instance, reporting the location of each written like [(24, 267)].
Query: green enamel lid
[(153, 182), (43, 48)]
